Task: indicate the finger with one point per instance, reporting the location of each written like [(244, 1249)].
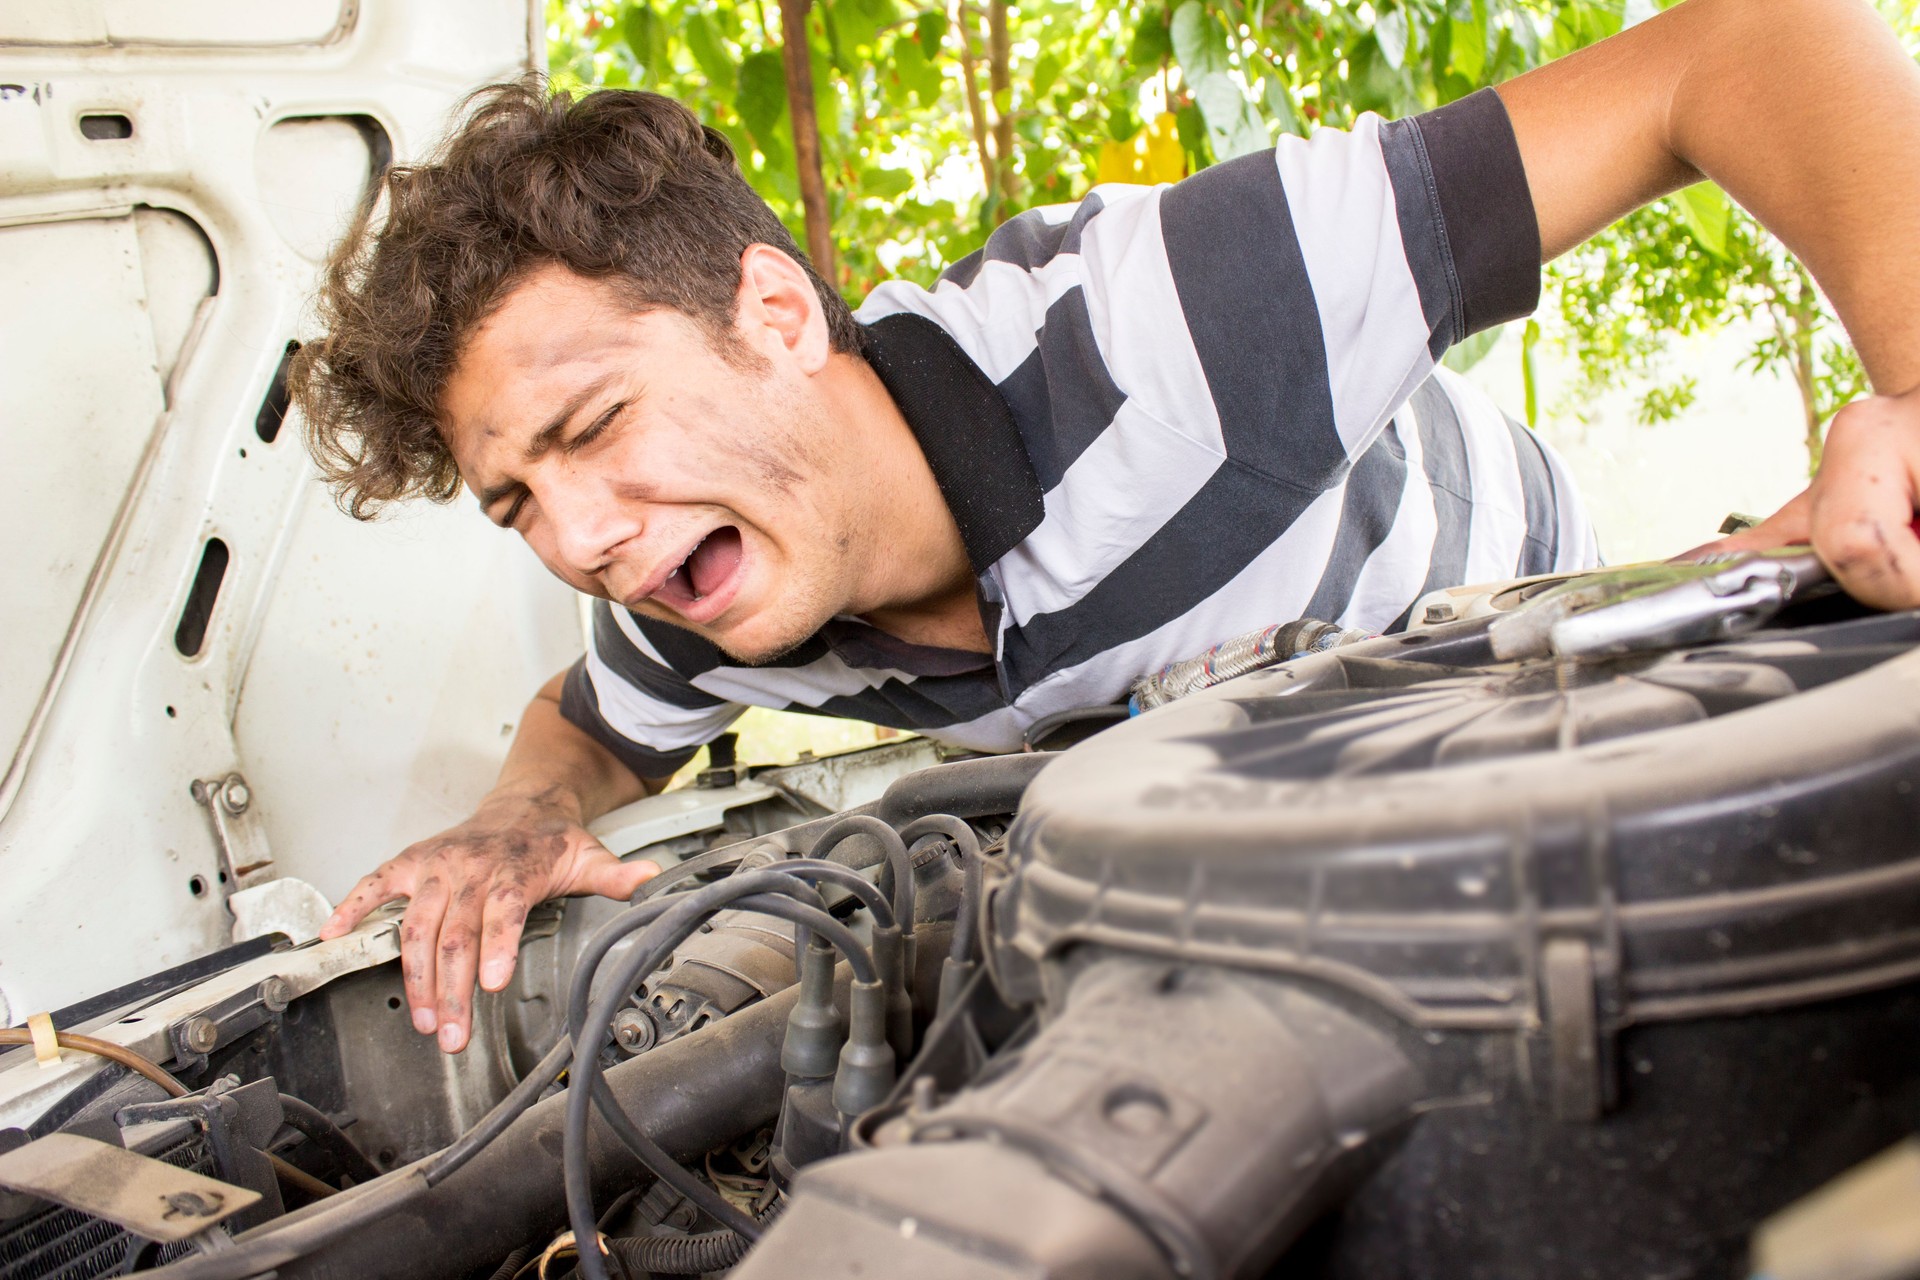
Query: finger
[(500, 925), (381, 886), (1863, 506), (456, 958), (611, 878), (419, 935)]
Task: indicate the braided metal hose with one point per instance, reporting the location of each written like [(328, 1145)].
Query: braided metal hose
[(1265, 648)]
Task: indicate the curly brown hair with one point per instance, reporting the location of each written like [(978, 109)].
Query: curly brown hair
[(615, 185)]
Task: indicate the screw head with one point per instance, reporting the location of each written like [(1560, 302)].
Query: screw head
[(1439, 613), (275, 993), (235, 796), (201, 1035)]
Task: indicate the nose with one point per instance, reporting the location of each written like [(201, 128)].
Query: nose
[(586, 519)]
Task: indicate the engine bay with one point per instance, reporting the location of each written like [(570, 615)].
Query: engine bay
[(1439, 954)]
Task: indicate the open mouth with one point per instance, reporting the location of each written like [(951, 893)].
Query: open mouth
[(707, 568)]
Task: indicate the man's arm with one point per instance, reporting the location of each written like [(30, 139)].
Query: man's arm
[(472, 885), (1808, 113)]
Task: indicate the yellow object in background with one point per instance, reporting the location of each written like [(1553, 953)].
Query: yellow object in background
[(1150, 156)]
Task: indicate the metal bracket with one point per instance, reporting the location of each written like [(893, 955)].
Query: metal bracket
[(239, 1121), (242, 842), (196, 1037), (148, 1197)]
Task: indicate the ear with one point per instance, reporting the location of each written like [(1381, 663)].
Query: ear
[(777, 310)]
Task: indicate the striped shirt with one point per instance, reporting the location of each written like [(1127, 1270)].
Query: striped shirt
[(1166, 416)]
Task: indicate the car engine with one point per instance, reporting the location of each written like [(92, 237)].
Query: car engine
[(1575, 933)]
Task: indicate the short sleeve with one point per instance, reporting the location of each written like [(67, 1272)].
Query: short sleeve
[(625, 696), (1320, 282), (1466, 214)]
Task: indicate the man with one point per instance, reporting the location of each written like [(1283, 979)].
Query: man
[(1125, 431)]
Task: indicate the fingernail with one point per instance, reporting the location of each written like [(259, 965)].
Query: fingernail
[(493, 974), (424, 1021), (450, 1038)]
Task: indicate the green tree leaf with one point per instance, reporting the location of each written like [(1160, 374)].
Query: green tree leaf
[(1529, 376), (640, 27), (1708, 214), (703, 42), (1232, 127), (1467, 46), (1198, 42), (1390, 29), (1193, 137), (1470, 351), (1278, 99), (920, 76), (860, 21), (885, 183), (1151, 44), (763, 96), (1046, 73)]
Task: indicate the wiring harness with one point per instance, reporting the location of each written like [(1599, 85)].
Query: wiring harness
[(858, 1053)]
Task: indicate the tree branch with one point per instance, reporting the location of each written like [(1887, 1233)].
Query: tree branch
[(970, 78), (1000, 76), (797, 60)]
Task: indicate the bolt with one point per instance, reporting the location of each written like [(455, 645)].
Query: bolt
[(200, 1035), (1438, 613), (275, 994), (633, 1031), (234, 796)]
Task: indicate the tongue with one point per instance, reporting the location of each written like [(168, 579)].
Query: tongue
[(714, 561)]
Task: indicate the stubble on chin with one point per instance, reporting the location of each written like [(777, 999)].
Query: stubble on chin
[(792, 618)]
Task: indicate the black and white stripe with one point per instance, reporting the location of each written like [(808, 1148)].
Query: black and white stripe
[(1166, 416)]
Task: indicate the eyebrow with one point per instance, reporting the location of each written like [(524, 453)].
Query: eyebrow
[(545, 439)]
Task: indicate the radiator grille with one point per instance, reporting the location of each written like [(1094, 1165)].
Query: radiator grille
[(65, 1244)]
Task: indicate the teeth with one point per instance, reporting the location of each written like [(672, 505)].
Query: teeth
[(681, 567)]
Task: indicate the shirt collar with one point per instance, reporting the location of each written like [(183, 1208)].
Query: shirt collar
[(860, 645), (965, 430)]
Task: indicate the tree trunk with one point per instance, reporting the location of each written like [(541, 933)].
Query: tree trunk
[(796, 58), (1000, 76), (970, 78), (1796, 321)]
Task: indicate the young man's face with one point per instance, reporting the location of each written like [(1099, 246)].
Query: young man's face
[(644, 467)]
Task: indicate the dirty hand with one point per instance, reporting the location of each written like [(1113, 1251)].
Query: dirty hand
[(471, 888), (1859, 510)]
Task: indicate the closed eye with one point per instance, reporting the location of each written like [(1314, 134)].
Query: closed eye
[(595, 429), (513, 512)]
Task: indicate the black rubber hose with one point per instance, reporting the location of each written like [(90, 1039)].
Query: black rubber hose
[(679, 1255), (844, 876), (964, 788), (681, 917), (669, 921), (669, 1170), (316, 1127), (640, 916), (689, 1095), (899, 865), (323, 1223), (511, 1264), (496, 1122)]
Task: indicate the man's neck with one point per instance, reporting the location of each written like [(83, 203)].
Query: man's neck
[(917, 584), (951, 622)]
